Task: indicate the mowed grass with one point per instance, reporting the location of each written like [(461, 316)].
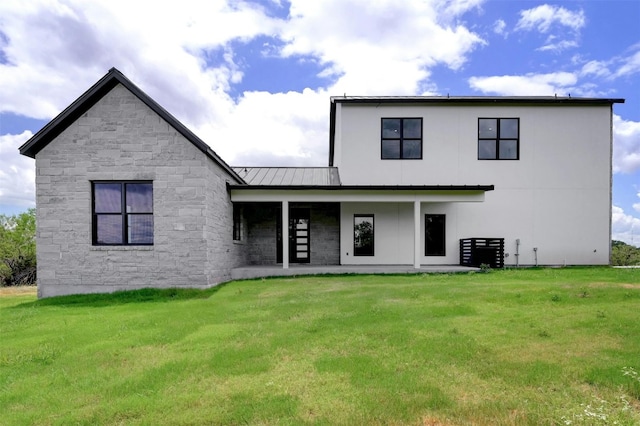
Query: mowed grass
[(538, 346)]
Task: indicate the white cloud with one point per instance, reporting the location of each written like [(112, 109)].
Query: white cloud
[(630, 65), (528, 84), (57, 50), (595, 68), (625, 227), (557, 46), (626, 145), (292, 130), (17, 174), (364, 47), (544, 17), (562, 25), (499, 27)]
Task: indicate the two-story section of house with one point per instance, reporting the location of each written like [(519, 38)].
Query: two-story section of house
[(547, 158), (128, 197)]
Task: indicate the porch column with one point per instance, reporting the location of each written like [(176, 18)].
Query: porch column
[(285, 235), (416, 234)]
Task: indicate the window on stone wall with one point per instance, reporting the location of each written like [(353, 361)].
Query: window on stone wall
[(122, 213), (363, 241), (238, 232)]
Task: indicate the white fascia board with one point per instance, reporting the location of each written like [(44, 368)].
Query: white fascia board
[(378, 196)]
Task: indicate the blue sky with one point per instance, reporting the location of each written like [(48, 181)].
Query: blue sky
[(253, 78)]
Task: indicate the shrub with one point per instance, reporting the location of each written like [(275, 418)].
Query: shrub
[(18, 249), (623, 254)]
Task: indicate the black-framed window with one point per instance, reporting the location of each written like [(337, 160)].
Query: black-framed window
[(401, 139), (498, 138), (238, 233), (363, 235), (122, 213), (434, 235)]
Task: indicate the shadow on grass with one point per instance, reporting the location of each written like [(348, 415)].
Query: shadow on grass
[(145, 295)]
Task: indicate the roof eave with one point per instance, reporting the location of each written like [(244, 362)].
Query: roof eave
[(474, 100), (483, 188)]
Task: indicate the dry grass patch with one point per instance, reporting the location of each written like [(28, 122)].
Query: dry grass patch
[(19, 291)]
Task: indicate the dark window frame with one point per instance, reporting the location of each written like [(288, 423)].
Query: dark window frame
[(357, 251), (441, 250), (238, 223), (401, 138), (498, 139), (123, 214)]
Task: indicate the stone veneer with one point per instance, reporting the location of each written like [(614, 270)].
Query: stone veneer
[(261, 236), (120, 138)]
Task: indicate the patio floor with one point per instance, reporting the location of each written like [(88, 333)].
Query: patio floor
[(259, 271)]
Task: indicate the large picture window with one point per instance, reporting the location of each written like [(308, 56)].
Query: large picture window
[(498, 138), (122, 213), (363, 241), (401, 138), (434, 238)]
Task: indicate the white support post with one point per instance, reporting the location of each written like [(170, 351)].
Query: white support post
[(285, 235), (416, 234)]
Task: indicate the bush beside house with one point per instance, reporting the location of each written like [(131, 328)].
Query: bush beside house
[(18, 249)]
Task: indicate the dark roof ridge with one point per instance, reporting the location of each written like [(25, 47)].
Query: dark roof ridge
[(488, 99), (96, 92)]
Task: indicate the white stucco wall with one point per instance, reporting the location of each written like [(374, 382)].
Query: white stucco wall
[(556, 197)]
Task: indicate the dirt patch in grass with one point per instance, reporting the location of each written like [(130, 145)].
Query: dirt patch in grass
[(633, 286), (19, 290)]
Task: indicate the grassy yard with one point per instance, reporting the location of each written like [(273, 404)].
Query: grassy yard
[(547, 346)]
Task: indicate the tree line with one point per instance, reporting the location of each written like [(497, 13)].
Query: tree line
[(18, 250)]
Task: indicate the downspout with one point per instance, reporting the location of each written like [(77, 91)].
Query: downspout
[(517, 255)]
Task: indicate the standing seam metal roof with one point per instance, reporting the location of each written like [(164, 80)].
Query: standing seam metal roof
[(289, 176)]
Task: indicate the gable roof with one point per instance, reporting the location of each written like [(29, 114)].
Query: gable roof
[(96, 92), (459, 100)]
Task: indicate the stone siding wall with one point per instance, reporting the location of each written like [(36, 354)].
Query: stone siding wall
[(325, 233), (261, 233), (120, 138)]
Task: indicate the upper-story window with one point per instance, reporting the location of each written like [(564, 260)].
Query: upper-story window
[(401, 138), (123, 213), (498, 138)]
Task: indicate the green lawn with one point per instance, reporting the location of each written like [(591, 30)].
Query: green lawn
[(545, 346)]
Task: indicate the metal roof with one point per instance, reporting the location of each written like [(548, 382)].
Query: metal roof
[(476, 99), (289, 176)]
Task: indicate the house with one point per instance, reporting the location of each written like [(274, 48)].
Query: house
[(128, 197)]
